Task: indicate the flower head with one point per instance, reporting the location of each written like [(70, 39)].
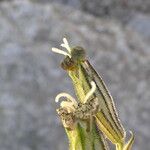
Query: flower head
[(75, 54), (65, 45), (71, 111)]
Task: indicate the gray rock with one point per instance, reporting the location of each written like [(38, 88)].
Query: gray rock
[(30, 76), (141, 23), (121, 9)]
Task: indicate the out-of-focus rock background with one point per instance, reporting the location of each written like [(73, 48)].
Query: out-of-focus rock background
[(116, 35)]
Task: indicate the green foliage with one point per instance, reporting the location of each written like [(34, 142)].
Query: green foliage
[(93, 108)]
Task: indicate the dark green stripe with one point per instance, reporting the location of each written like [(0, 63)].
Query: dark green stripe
[(105, 101), (109, 96)]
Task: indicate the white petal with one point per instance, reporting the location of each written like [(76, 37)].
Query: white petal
[(69, 97), (59, 51), (90, 93)]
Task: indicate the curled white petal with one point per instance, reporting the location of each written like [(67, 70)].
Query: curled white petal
[(66, 45), (69, 97), (59, 51), (90, 93), (65, 41), (68, 105)]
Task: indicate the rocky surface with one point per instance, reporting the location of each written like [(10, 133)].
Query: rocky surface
[(135, 13), (119, 8), (141, 23), (123, 10), (30, 76)]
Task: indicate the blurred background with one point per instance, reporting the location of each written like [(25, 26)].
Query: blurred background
[(116, 35)]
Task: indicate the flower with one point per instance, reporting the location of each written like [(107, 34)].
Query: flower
[(72, 111), (65, 45)]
